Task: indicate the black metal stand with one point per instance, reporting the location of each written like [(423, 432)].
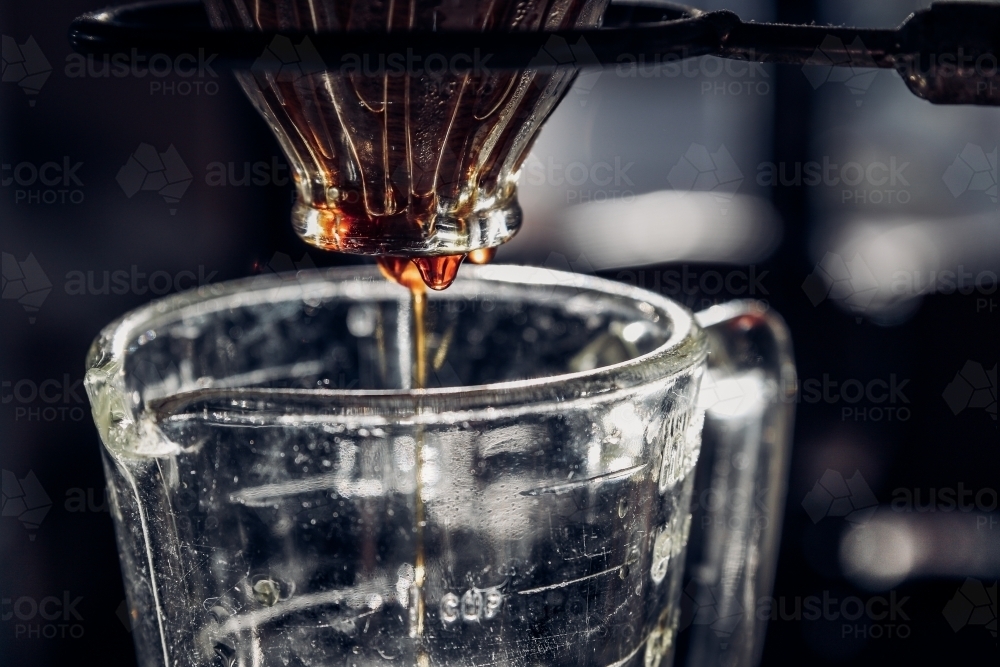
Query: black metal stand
[(947, 54)]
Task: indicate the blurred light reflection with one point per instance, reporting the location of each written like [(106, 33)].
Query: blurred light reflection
[(668, 226), (894, 547), (893, 261)]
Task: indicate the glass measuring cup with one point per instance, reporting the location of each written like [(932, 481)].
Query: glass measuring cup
[(282, 495)]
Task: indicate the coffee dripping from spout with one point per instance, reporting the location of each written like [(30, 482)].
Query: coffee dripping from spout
[(406, 160)]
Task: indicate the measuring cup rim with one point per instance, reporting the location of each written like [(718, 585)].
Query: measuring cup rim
[(684, 347)]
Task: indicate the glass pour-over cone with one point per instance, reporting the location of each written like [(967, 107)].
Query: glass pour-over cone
[(402, 158)]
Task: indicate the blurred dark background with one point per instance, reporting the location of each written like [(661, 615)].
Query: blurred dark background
[(887, 282)]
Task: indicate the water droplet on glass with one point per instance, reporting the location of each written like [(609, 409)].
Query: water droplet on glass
[(449, 608), (266, 592), (219, 613), (227, 651), (472, 605), (493, 599)]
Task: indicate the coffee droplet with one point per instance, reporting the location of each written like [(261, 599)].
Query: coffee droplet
[(439, 272), (414, 273), (403, 271)]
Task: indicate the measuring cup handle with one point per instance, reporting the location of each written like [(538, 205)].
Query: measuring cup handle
[(748, 392)]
